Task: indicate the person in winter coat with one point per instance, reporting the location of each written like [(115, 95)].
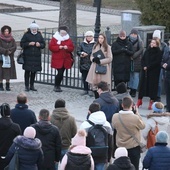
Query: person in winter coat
[(157, 157), (94, 78), (32, 42), (21, 114), (84, 53), (8, 131), (138, 47), (30, 154), (166, 66), (50, 138), (108, 103), (7, 48), (99, 118), (61, 47), (151, 65), (132, 122), (78, 156), (122, 51), (66, 124), (122, 161), (157, 117)]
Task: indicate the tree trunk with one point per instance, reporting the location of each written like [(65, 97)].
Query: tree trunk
[(68, 16)]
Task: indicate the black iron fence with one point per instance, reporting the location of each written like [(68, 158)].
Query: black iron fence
[(72, 77)]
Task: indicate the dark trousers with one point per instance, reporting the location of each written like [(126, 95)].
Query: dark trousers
[(29, 78), (85, 83), (59, 76), (134, 155), (167, 90)]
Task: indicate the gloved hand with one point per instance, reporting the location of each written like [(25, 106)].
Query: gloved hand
[(6, 52), (96, 60)]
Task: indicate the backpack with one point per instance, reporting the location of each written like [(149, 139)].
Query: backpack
[(97, 140)]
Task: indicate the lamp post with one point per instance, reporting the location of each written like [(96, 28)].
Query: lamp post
[(97, 23)]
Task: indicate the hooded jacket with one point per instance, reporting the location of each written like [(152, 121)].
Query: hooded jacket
[(109, 104), (30, 153), (66, 124), (51, 142), (122, 163), (78, 158)]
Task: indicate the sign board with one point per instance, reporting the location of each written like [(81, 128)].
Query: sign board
[(127, 17)]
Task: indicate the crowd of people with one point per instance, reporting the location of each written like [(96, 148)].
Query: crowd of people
[(110, 137)]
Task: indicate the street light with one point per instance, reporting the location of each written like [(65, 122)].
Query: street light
[(97, 23)]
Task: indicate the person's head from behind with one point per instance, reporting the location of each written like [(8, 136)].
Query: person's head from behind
[(5, 110), (60, 103), (127, 103), (22, 98), (44, 115), (94, 107), (121, 152), (102, 87), (162, 137), (158, 107), (121, 88), (29, 132)]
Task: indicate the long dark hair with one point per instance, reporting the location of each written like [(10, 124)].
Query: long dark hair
[(105, 45)]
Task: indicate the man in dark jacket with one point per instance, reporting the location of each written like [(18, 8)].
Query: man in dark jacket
[(108, 103), (8, 131), (50, 138), (122, 51), (21, 114)]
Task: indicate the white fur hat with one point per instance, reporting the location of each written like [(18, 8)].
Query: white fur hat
[(157, 34), (89, 33), (121, 151), (30, 132)]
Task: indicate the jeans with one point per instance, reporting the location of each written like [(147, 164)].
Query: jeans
[(134, 80), (59, 76), (85, 83), (99, 166), (134, 155)]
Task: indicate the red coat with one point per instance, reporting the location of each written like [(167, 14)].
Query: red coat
[(61, 57)]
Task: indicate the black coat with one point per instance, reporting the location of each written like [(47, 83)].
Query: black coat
[(32, 54), (23, 116), (122, 163), (30, 153), (8, 131), (122, 51), (149, 79), (85, 61), (51, 142)]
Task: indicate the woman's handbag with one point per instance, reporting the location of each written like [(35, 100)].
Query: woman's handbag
[(151, 139), (14, 163), (100, 69), (20, 58), (142, 145)]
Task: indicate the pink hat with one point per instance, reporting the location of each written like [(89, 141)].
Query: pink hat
[(79, 138), (30, 132)]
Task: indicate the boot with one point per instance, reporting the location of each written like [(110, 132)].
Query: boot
[(1, 87), (57, 89), (33, 88), (150, 105), (7, 86), (139, 103), (133, 93), (27, 88), (96, 94)]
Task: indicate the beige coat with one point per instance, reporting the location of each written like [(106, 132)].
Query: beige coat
[(92, 78)]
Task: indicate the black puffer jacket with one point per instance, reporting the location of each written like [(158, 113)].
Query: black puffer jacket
[(85, 61), (30, 153), (122, 163), (32, 54), (51, 142), (122, 51)]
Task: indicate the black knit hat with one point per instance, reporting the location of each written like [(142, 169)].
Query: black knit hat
[(5, 110), (6, 27), (121, 88), (65, 28), (134, 31)]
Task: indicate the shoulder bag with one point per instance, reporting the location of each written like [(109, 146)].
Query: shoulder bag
[(20, 57), (151, 136), (142, 145), (100, 69)]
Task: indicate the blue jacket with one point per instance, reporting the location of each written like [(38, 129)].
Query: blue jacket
[(30, 153), (109, 104), (157, 157), (23, 116)]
